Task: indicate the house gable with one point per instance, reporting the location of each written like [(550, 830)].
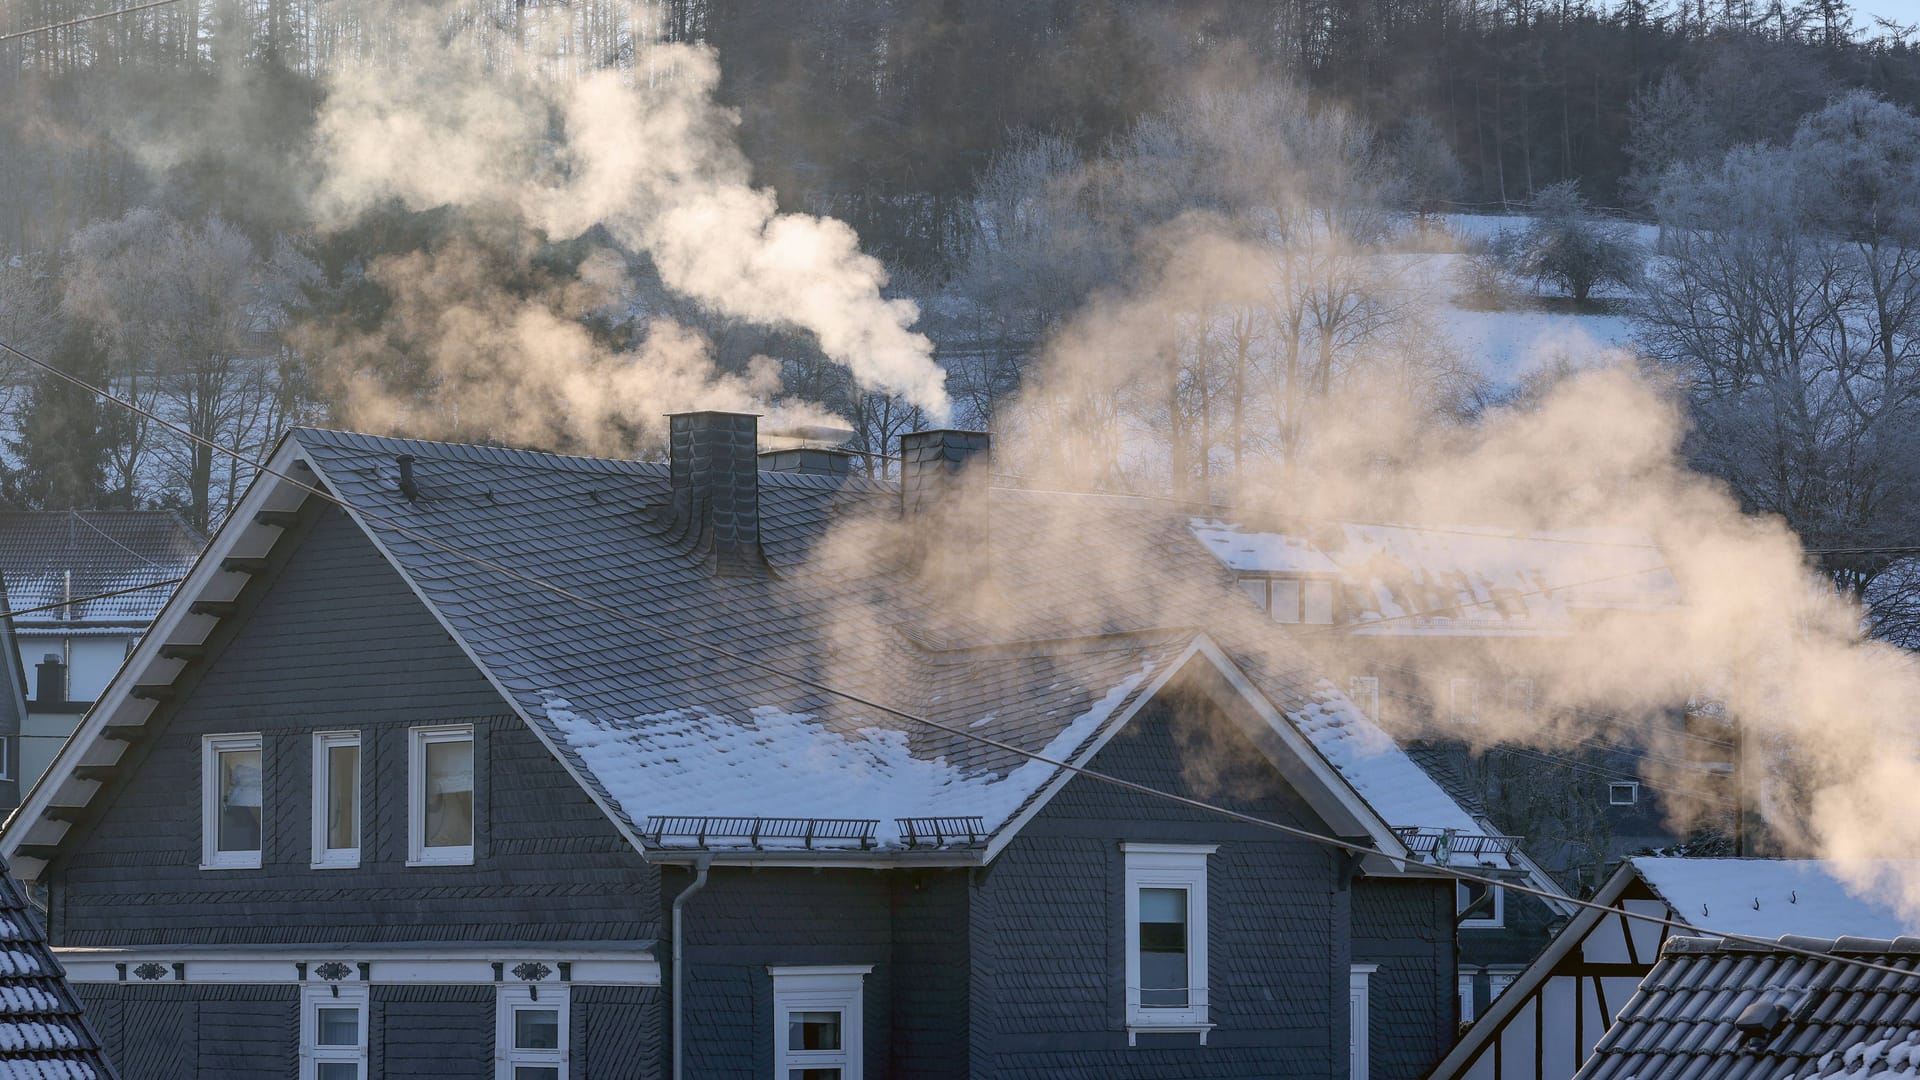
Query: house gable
[(1047, 919), (333, 640)]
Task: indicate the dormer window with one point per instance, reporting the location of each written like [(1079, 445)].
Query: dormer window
[(1293, 600)]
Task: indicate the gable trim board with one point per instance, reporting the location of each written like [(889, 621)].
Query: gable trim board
[(193, 614), (210, 581), (503, 963), (1484, 1040)]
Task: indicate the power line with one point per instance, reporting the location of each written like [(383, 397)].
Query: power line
[(723, 652), (85, 19), (90, 597)]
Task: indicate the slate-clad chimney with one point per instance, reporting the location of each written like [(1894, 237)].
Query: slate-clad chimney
[(50, 680), (716, 485), (943, 502), (936, 464)]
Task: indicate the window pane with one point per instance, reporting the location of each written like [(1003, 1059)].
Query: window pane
[(813, 1030), (239, 772), (449, 794), (1163, 947), (338, 1027), (536, 1029), (343, 797), (337, 1070), (536, 1072), (813, 1074)]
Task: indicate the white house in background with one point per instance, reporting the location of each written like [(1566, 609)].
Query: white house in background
[(1545, 1025), (70, 651)]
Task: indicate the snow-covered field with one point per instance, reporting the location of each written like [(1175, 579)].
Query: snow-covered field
[(1505, 345)]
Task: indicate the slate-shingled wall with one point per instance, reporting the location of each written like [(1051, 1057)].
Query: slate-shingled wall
[(1049, 959), (340, 643), (1405, 927)]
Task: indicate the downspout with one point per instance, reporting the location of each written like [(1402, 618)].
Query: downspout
[(700, 864)]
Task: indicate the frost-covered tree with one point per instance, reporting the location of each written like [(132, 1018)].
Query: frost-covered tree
[(1569, 245), (190, 311), (1790, 300)]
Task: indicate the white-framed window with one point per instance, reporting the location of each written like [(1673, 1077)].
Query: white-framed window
[(1166, 905), (1294, 600), (336, 799), (1623, 793), (1364, 691), (1463, 700), (333, 1032), (1360, 1010), (1497, 983), (1466, 998), (440, 796), (1316, 602), (1520, 698), (231, 794), (6, 756), (530, 1033), (816, 1022), (1286, 600), (1488, 904), (1256, 588)]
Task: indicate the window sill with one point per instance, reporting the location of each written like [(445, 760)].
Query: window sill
[(338, 862), (1136, 1028), (449, 857), (234, 864)]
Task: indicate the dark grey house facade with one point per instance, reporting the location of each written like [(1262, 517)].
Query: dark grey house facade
[(537, 767)]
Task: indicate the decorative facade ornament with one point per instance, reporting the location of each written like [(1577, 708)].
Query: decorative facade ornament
[(150, 971), (333, 971), (531, 971)]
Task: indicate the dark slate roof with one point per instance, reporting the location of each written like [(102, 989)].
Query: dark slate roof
[(653, 679), (105, 550), (1827, 1018), (43, 1031)]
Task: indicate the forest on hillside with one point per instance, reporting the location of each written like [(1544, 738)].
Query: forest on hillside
[(1248, 212)]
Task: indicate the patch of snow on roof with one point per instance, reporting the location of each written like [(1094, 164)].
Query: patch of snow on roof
[(1260, 552), (1794, 896), (1397, 788), (780, 764)]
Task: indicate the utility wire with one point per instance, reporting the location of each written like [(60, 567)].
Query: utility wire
[(1349, 846), (85, 19), (91, 597)]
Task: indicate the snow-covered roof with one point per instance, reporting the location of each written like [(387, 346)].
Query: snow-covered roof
[(1770, 898), (685, 711), (1261, 552), (43, 1030), (1423, 580), (50, 556)]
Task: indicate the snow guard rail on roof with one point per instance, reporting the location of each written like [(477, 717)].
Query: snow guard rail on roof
[(1439, 845)]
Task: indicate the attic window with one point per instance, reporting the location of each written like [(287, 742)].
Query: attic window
[(1297, 600), (1623, 793), (1166, 938), (231, 792), (1480, 905), (440, 796), (336, 799)]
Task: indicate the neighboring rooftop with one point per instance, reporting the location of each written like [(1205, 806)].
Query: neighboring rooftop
[(1771, 898), (48, 556), (1423, 579), (44, 1034), (1714, 1009)]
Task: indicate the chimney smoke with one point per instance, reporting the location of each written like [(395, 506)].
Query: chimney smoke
[(943, 501)]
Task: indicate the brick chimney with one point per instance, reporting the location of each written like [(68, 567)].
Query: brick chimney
[(943, 500), (715, 481)]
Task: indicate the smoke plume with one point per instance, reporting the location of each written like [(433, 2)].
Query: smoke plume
[(638, 159)]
